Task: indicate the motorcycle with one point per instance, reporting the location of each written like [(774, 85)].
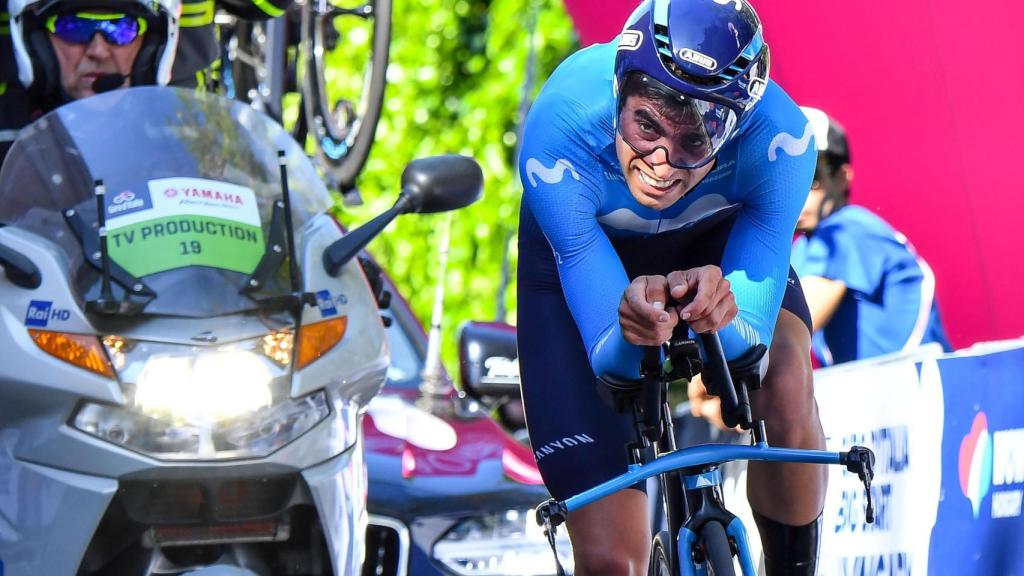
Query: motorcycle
[(187, 342)]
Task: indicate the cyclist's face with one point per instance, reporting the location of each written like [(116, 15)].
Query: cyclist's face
[(651, 178), (82, 64)]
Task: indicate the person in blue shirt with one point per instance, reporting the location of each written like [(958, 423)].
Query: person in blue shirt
[(868, 291), (665, 167)]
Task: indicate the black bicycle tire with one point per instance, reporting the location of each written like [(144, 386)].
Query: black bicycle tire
[(343, 170), (717, 550), (661, 556)]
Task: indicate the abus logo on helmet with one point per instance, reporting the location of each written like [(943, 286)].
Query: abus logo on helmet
[(702, 60), (630, 40)]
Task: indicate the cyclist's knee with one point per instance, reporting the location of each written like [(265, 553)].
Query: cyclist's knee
[(612, 535), (609, 561), (605, 552)]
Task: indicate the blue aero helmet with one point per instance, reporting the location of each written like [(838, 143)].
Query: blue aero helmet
[(708, 57)]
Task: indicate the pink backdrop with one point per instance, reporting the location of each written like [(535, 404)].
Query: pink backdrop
[(930, 92)]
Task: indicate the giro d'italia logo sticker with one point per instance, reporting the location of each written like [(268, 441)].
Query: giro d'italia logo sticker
[(182, 222)]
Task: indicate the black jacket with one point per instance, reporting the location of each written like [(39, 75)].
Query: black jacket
[(197, 63)]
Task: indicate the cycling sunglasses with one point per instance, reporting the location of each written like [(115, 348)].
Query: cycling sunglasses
[(690, 131), (81, 27)]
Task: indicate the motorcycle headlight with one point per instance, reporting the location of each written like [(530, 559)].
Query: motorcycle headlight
[(508, 542), (188, 403)]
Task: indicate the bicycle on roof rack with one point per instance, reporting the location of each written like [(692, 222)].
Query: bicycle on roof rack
[(264, 62), (702, 536)]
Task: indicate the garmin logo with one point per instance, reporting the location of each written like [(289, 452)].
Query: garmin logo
[(702, 60), (630, 40)]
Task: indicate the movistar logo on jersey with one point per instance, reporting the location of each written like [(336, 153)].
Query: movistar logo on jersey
[(553, 175), (790, 144), (702, 60)]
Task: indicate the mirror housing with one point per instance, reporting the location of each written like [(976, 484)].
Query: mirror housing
[(441, 183), (489, 361), (432, 184)]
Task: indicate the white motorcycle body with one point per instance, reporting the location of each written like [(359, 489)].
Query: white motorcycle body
[(194, 442)]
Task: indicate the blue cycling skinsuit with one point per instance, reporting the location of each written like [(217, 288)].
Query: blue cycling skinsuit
[(889, 304), (583, 237)]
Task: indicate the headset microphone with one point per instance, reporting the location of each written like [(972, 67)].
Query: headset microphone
[(108, 82)]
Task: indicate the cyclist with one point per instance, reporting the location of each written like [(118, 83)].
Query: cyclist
[(868, 291), (65, 49), (197, 64), (664, 163)]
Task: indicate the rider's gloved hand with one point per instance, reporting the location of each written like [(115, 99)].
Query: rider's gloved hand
[(644, 319), (708, 304), (710, 301)]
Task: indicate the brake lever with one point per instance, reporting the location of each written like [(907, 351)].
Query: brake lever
[(550, 515), (861, 461)]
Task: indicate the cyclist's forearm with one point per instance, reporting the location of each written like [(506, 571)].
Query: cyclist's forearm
[(613, 355)]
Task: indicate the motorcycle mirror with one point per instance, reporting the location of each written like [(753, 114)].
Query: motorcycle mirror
[(19, 269), (488, 361), (441, 183), (432, 184)]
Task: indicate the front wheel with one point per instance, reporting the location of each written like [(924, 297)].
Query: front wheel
[(661, 563), (717, 550)]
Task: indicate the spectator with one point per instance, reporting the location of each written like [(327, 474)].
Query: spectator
[(868, 291)]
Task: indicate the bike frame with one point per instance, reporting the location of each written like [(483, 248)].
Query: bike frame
[(694, 458)]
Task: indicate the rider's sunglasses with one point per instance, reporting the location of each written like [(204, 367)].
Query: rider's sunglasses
[(690, 131), (80, 27)]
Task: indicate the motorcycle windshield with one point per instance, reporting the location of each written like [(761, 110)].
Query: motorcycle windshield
[(191, 183)]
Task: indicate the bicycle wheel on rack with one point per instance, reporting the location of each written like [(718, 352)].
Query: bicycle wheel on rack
[(717, 550), (256, 65), (341, 109), (661, 556)]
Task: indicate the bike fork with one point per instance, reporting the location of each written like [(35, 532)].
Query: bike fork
[(704, 500)]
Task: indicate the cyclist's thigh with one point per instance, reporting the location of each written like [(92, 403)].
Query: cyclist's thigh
[(794, 301), (578, 440)]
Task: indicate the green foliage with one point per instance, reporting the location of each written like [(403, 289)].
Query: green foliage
[(455, 85)]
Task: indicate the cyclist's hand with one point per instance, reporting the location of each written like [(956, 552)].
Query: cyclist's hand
[(711, 302), (703, 405), (642, 314)]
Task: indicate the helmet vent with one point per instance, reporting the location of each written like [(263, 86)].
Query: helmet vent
[(661, 42)]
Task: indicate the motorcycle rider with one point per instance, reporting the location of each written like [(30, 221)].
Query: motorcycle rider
[(69, 49)]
